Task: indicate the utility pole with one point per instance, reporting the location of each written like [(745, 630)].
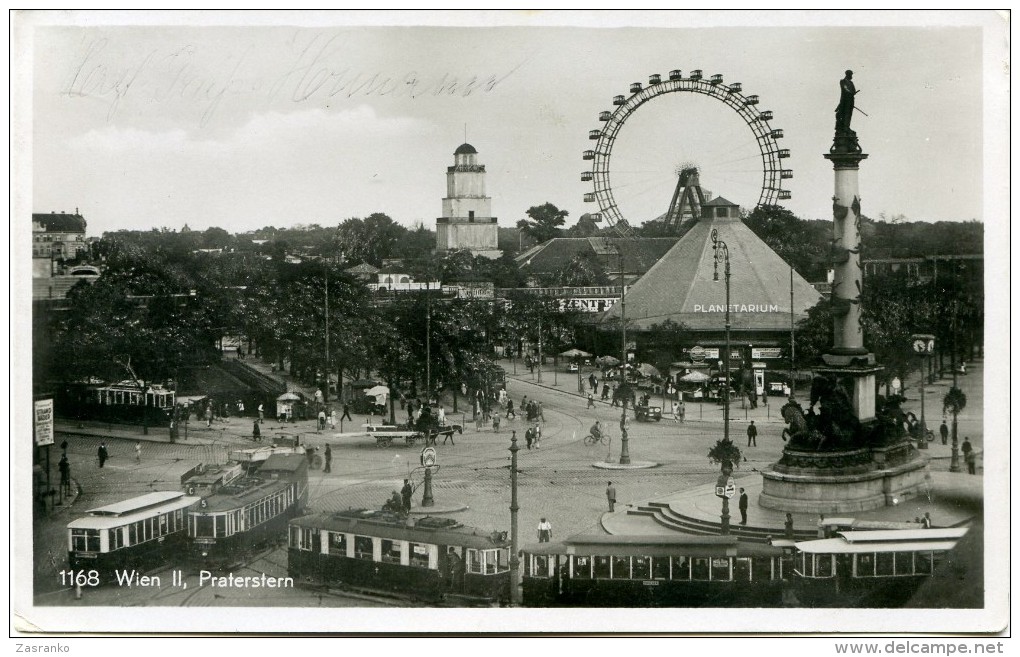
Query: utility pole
[(793, 346), (325, 392), (954, 461), (515, 562), (720, 248), (624, 451), (541, 309)]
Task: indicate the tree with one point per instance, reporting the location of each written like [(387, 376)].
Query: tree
[(545, 222), (726, 454)]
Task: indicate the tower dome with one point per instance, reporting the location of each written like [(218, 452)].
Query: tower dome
[(465, 149)]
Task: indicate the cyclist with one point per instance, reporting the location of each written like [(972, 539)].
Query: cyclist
[(596, 430)]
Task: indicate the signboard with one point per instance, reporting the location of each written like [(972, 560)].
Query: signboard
[(725, 487), (698, 353), (766, 352), (428, 457), (712, 352), (731, 488), (43, 422)]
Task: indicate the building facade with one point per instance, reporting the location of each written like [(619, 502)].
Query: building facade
[(467, 222)]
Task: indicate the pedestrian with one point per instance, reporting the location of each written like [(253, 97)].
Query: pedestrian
[(138, 451), (63, 446), (752, 434), (332, 419), (208, 416), (616, 395), (256, 432), (926, 521), (441, 414), (969, 456), (405, 495), (683, 411), (591, 402), (479, 418), (318, 396), (595, 388), (322, 420), (538, 436), (605, 392), (510, 409), (788, 527), (495, 422), (328, 456), (524, 404), (103, 454), (611, 496), (944, 432), (544, 531), (529, 437), (240, 407), (541, 412), (742, 505), (591, 380), (65, 475), (347, 413)]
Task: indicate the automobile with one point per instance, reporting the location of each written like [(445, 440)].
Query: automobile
[(647, 413), (572, 367)]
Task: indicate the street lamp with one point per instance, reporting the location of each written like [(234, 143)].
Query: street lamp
[(515, 563), (721, 250), (624, 386), (924, 345)]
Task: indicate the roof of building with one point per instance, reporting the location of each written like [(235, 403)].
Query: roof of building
[(59, 222), (465, 149), (681, 285), (639, 254), (363, 268), (719, 201)]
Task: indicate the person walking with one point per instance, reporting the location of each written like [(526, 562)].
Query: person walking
[(752, 435), (510, 409), (969, 457), (328, 457), (595, 388), (262, 413), (742, 505), (322, 419), (496, 418), (65, 475), (544, 531), (347, 413), (208, 416), (138, 451), (529, 437), (605, 392), (103, 454), (788, 527), (926, 520), (538, 436), (405, 495), (332, 420), (944, 432), (256, 432), (591, 402), (591, 380), (541, 412), (611, 496)]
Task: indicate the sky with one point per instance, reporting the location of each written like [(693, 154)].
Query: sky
[(301, 120)]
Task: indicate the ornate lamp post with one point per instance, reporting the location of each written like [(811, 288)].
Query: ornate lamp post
[(722, 251), (515, 562), (924, 345)]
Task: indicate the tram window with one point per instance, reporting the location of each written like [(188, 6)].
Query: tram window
[(116, 539), (419, 555), (681, 568), (786, 565), (922, 563), (642, 568), (621, 567), (204, 526), (133, 533), (700, 569), (338, 543), (474, 561), (390, 551), (904, 563), (660, 568), (884, 563), (491, 559), (602, 567), (85, 540), (363, 547), (503, 559), (761, 568), (866, 565), (721, 569), (742, 569), (823, 565), (295, 533), (540, 566), (221, 525), (164, 526), (582, 567)]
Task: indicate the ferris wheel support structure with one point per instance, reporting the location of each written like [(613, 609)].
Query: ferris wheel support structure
[(731, 95)]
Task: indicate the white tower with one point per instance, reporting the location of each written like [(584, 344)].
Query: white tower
[(467, 221)]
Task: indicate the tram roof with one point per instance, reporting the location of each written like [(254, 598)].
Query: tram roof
[(136, 503), (839, 546), (230, 497), (656, 546), (460, 536), (877, 536), (181, 501)]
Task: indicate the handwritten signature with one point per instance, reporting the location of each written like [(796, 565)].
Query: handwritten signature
[(312, 76)]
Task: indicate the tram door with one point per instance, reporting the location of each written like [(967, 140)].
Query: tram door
[(452, 567)]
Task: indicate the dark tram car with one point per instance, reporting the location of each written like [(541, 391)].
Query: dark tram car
[(140, 533), (654, 571), (430, 558), (880, 568), (248, 512)]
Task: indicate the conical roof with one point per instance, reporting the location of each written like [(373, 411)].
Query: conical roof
[(681, 285)]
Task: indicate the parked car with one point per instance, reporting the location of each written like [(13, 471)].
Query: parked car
[(572, 367), (647, 413)]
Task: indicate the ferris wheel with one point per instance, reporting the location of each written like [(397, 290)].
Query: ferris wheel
[(772, 172)]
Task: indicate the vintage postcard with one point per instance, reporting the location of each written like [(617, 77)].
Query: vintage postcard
[(668, 322)]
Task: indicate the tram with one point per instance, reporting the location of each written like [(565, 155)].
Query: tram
[(878, 568), (684, 570), (135, 534), (433, 559), (247, 512)]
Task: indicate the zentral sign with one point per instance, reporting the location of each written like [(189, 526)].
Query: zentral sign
[(588, 305), (766, 352)]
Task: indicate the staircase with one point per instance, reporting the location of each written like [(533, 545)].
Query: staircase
[(661, 513)]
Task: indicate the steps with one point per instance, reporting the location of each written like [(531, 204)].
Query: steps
[(661, 513)]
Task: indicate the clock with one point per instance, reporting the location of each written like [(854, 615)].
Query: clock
[(920, 346)]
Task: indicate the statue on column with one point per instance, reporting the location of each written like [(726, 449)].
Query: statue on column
[(845, 140)]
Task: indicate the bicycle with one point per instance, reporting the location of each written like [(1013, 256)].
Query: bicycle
[(592, 440)]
